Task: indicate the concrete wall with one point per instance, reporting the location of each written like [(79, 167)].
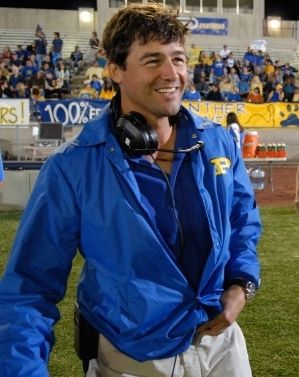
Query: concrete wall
[(51, 19), (16, 189), (240, 26)]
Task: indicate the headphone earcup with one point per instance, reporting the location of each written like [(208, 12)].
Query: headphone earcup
[(133, 133)]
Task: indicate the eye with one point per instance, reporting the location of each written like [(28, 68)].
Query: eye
[(179, 60), (152, 62)]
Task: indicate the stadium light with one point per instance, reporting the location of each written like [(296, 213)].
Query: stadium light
[(85, 15), (274, 23)]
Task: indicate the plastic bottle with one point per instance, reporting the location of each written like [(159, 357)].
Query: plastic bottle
[(257, 177)]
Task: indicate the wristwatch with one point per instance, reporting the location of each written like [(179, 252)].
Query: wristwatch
[(248, 286)]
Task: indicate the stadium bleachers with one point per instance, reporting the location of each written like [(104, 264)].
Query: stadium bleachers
[(24, 37), (281, 49)]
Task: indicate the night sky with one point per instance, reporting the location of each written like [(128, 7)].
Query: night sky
[(287, 9)]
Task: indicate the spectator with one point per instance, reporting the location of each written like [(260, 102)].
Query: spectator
[(276, 95), (255, 82), (4, 69), (57, 44), (199, 68), (296, 95), (190, 93), (40, 46), (22, 54), (249, 57), (224, 52), (22, 91), (217, 69), (230, 61), (38, 80), (107, 91), (14, 60), (246, 74), (235, 129), (255, 96), (94, 44), (96, 83), (6, 53), (28, 71), (77, 59), (5, 91), (63, 75), (259, 63), (202, 86), (101, 58), (35, 97), (214, 94), (289, 88), (2, 76), (94, 70), (269, 67), (234, 77), (88, 92), (228, 90), (53, 87), (14, 79), (37, 94)]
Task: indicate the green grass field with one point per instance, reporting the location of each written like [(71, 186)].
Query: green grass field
[(270, 321)]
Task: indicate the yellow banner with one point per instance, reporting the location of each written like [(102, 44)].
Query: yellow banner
[(265, 115), (14, 112)]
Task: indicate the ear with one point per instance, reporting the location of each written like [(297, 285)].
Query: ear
[(115, 72)]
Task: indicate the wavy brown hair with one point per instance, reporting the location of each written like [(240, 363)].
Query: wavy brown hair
[(143, 22)]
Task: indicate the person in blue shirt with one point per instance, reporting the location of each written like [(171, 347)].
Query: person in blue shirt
[(158, 202), (190, 93), (57, 45)]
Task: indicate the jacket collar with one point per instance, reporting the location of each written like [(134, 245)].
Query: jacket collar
[(97, 130)]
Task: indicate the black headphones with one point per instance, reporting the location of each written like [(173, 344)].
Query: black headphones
[(135, 136)]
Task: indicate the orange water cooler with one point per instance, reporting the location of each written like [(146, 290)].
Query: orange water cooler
[(250, 144)]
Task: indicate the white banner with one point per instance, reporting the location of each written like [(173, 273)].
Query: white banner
[(14, 112)]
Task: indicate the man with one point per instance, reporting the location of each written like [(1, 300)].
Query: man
[(169, 239), (40, 46), (57, 44), (224, 52)]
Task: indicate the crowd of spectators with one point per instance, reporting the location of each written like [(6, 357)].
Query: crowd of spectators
[(39, 72), (255, 78)]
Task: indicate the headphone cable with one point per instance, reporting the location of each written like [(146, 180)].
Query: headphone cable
[(173, 204)]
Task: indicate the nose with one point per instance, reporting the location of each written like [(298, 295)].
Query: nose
[(169, 71)]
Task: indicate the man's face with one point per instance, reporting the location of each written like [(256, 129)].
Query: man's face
[(154, 79)]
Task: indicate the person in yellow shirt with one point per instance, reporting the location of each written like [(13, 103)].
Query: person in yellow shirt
[(107, 92), (87, 91), (269, 68), (256, 83)]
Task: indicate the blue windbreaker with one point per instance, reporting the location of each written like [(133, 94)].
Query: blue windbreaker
[(131, 288)]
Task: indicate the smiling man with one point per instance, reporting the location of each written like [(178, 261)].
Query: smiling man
[(158, 202)]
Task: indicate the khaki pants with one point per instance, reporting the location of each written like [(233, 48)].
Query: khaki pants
[(224, 355)]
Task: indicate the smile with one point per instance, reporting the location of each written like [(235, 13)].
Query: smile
[(166, 90)]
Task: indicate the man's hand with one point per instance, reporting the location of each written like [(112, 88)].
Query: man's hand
[(233, 300)]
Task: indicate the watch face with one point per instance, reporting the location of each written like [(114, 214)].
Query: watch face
[(250, 290)]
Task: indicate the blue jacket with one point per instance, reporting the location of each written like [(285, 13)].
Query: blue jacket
[(131, 288)]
